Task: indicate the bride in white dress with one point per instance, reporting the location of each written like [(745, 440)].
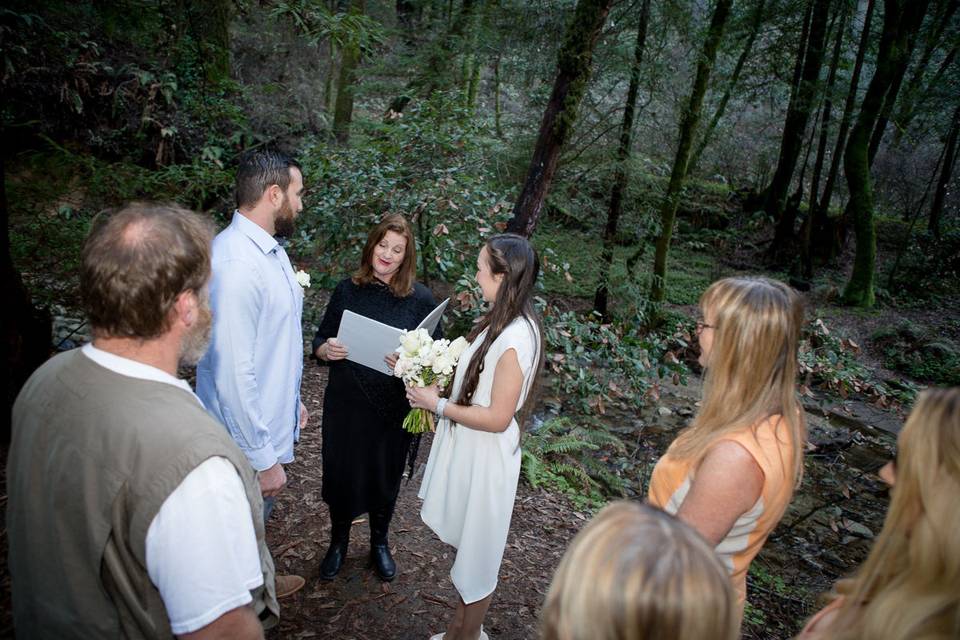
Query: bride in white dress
[(470, 482)]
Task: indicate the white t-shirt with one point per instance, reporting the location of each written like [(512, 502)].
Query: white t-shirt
[(201, 547)]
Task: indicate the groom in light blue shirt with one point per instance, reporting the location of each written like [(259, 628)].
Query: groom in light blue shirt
[(249, 379)]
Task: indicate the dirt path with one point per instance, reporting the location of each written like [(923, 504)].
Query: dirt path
[(417, 604)]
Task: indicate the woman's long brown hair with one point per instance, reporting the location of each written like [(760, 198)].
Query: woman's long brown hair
[(513, 257)]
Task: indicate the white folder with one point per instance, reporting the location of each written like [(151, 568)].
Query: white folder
[(368, 341)]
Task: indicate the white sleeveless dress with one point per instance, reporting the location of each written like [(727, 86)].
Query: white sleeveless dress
[(470, 483)]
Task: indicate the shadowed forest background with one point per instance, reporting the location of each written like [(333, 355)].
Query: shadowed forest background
[(646, 148)]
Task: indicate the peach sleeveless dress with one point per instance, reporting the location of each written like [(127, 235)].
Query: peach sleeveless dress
[(769, 444)]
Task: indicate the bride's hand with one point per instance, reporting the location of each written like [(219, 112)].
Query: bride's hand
[(424, 397)]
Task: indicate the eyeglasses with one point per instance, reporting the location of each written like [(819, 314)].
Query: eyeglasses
[(701, 325)]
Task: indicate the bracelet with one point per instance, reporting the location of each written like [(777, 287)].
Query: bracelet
[(441, 405)]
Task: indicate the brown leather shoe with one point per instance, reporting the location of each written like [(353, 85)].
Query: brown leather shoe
[(288, 585)]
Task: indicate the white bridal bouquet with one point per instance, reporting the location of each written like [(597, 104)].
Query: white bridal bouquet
[(422, 362)]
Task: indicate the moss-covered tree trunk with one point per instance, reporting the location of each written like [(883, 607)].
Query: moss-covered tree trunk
[(811, 222), (207, 23), (949, 161), (823, 243), (901, 19), (573, 72), (496, 97), (798, 114), (623, 166), (688, 128), (350, 59), (756, 21), (439, 72)]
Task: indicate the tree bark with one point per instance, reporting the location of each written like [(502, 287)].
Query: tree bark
[(806, 263), (945, 11), (798, 114), (439, 74), (26, 330), (949, 159), (900, 22), (755, 23), (623, 166), (845, 120), (573, 72), (688, 127), (946, 64), (890, 99), (350, 59), (496, 97)]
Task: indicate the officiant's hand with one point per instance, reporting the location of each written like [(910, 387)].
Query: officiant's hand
[(391, 360), (332, 349), (424, 397)]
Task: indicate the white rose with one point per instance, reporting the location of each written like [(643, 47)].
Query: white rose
[(443, 364), (303, 279), (456, 348), (410, 342)]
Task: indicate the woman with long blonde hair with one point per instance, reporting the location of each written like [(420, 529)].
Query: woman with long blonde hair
[(909, 585), (637, 573), (731, 474)]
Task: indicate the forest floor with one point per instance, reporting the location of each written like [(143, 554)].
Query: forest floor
[(824, 535)]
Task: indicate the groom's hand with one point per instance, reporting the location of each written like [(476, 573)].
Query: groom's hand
[(304, 416)]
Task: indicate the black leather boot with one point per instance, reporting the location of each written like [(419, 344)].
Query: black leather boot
[(380, 556), (337, 553)]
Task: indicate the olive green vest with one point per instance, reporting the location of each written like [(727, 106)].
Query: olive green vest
[(94, 455)]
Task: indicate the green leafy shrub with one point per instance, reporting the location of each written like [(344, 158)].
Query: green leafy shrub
[(831, 361), (935, 360), (567, 457), (428, 165)]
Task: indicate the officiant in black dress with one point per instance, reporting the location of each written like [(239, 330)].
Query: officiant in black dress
[(364, 444)]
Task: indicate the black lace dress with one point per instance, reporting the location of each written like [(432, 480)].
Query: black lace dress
[(364, 445)]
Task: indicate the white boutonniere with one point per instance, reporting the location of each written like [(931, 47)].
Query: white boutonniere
[(303, 278)]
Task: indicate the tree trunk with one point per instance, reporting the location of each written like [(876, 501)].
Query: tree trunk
[(496, 97), (811, 222), (26, 330), (755, 23), (328, 95), (573, 72), (946, 64), (439, 72), (945, 11), (890, 99), (350, 59), (623, 166), (949, 159), (688, 127), (798, 113), (825, 244), (899, 25)]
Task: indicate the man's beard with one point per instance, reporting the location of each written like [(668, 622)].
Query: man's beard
[(195, 343), (283, 223)]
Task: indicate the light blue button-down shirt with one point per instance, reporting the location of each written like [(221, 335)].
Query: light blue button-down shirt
[(249, 378)]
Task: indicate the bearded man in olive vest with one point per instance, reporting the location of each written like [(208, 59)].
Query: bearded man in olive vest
[(131, 512)]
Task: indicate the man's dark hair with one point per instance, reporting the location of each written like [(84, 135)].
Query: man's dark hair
[(135, 263), (258, 170)]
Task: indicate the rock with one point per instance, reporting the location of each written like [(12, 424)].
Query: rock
[(664, 411)]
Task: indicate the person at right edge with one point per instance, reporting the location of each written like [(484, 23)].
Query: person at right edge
[(364, 443), (731, 474)]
